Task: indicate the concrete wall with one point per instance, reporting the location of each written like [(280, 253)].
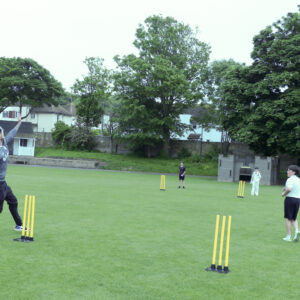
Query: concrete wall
[(226, 170), (194, 147), (104, 144), (268, 167), (229, 168), (56, 162), (43, 139)]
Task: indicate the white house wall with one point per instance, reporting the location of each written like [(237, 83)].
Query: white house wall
[(27, 151), (68, 120), (212, 135), (46, 122), (41, 122)]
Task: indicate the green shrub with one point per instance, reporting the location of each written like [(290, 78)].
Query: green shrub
[(95, 132), (196, 158), (184, 152), (81, 139), (61, 134), (213, 154)]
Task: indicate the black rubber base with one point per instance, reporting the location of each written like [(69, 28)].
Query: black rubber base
[(211, 268), (24, 239), (240, 196), (219, 269), (163, 190)]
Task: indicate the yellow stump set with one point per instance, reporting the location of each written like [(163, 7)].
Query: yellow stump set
[(28, 220), (213, 264), (241, 190), (163, 182)]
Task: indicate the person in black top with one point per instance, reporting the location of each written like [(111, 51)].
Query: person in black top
[(181, 175)]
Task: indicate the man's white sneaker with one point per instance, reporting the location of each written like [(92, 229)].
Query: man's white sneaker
[(287, 238), (296, 237)]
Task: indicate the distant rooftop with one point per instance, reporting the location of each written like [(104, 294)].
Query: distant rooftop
[(54, 110), (25, 129), (195, 111)]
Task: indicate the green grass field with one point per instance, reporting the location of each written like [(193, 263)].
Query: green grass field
[(112, 235)]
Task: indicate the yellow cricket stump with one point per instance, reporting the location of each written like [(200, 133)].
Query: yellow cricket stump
[(241, 189), (28, 220), (213, 265), (226, 269), (163, 182), (221, 244)]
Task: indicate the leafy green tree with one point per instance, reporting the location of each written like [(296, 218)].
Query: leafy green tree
[(167, 76), (214, 109), (93, 91), (81, 139), (263, 100), (61, 134), (112, 125), (24, 82)]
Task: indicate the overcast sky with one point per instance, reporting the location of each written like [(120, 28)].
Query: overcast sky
[(59, 34)]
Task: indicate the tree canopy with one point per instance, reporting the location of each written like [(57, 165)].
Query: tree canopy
[(167, 76), (93, 91), (24, 82), (262, 100)]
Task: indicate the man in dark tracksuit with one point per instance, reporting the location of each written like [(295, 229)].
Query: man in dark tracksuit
[(5, 191)]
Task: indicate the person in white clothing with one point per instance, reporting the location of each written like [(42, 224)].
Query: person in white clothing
[(255, 179), (291, 203)]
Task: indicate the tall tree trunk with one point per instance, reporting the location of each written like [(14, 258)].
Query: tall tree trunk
[(102, 125), (111, 143), (166, 146), (148, 150)]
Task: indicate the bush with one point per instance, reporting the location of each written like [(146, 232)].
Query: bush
[(82, 139), (61, 134), (196, 158), (96, 132), (183, 153), (213, 154)]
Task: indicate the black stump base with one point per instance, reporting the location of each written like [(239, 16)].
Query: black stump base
[(24, 239), (211, 268), (218, 269)]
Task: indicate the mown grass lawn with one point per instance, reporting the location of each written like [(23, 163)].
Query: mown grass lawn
[(115, 235), (195, 165)]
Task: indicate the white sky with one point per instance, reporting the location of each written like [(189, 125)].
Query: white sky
[(59, 34)]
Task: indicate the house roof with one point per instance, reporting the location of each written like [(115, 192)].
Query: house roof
[(45, 109), (25, 129), (195, 111), (194, 136), (71, 108)]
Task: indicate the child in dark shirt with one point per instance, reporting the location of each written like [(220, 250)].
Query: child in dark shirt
[(181, 175)]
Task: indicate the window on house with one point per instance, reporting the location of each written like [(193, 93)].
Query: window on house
[(23, 142), (32, 116), (10, 114)]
